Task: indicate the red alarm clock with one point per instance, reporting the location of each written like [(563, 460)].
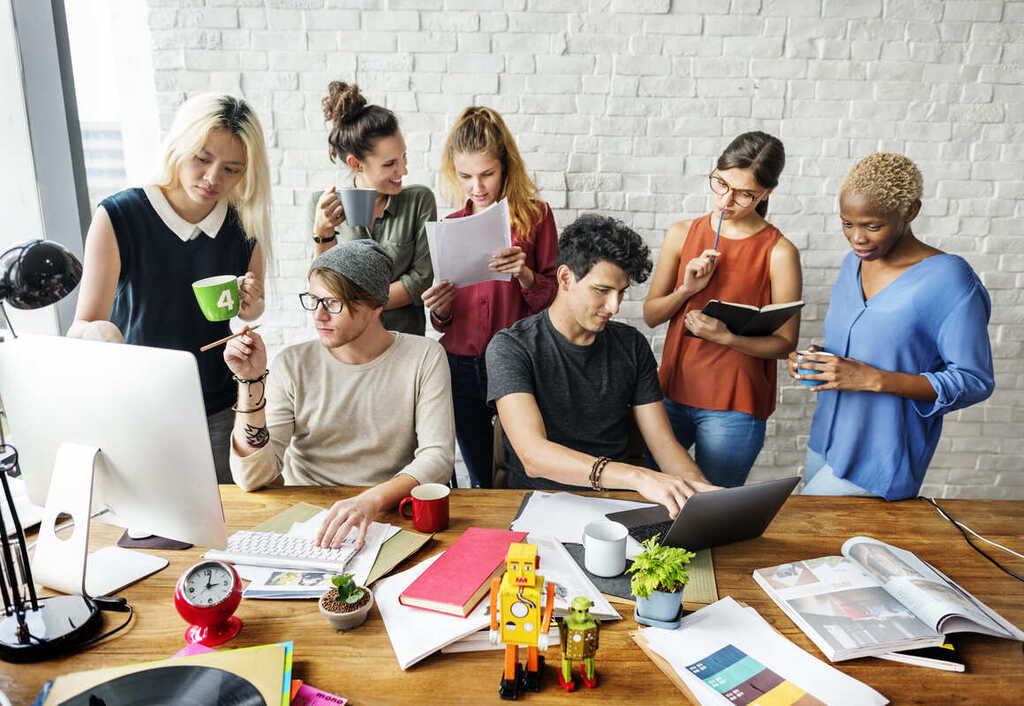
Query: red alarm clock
[(206, 596)]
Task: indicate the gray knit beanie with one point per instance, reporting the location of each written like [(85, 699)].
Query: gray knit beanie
[(363, 262)]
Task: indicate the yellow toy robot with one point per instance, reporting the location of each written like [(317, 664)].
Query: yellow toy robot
[(518, 621)]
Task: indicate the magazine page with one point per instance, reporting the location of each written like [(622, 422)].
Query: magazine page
[(835, 598), (920, 588)]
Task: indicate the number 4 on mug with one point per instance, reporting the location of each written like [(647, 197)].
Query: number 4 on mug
[(225, 301)]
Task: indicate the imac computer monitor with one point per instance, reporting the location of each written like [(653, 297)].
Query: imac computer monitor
[(142, 407)]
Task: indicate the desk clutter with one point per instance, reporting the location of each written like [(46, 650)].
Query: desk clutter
[(529, 587)]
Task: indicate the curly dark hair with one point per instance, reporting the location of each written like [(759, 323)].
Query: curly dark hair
[(592, 238)]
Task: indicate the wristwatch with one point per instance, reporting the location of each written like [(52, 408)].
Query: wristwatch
[(331, 239)]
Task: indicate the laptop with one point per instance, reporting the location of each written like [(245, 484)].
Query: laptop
[(712, 518)]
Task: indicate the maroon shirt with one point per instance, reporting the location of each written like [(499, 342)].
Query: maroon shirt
[(481, 310)]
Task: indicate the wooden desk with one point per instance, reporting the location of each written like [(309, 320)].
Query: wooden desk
[(361, 665)]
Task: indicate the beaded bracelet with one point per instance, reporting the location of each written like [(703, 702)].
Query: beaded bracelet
[(262, 401), (595, 472)]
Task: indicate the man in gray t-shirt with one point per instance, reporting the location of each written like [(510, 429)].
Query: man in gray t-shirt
[(565, 381)]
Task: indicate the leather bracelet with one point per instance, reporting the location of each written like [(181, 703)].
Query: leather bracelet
[(263, 403), (595, 472), (261, 378), (318, 239), (438, 319)]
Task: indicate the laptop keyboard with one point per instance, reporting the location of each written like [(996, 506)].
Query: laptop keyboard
[(644, 532)]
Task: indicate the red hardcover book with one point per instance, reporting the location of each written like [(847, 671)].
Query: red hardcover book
[(461, 576)]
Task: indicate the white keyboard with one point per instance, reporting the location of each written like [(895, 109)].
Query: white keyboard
[(281, 551)]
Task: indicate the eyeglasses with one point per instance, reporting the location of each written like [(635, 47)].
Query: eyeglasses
[(331, 305), (721, 187)]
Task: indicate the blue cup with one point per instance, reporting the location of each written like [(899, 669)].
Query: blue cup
[(810, 371)]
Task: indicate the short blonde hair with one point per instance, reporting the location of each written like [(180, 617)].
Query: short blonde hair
[(891, 182), (195, 120)]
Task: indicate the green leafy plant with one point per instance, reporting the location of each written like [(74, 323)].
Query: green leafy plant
[(658, 567), (348, 591)]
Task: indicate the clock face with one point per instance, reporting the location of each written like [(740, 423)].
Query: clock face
[(207, 584)]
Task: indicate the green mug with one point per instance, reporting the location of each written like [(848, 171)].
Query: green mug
[(218, 297)]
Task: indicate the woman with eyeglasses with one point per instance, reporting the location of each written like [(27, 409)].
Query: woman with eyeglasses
[(906, 342), (720, 387)]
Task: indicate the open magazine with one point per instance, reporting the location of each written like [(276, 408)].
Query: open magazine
[(875, 599)]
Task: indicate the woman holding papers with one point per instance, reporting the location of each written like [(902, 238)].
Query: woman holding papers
[(720, 387), (907, 325), (481, 163), (206, 213), (367, 139)]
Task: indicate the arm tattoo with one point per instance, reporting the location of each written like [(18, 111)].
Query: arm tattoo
[(256, 437)]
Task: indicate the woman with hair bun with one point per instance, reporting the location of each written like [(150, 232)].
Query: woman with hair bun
[(907, 337), (481, 164), (720, 387), (367, 139), (206, 213)]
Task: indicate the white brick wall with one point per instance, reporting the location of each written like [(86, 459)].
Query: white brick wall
[(623, 106)]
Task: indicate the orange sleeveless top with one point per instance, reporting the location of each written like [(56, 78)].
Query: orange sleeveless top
[(709, 375)]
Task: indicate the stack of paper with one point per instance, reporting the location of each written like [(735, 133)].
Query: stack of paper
[(461, 249), (727, 653), (564, 515), (416, 633), (570, 581)]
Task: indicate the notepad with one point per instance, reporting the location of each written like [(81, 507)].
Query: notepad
[(748, 320)]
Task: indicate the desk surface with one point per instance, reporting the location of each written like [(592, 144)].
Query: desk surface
[(361, 666)]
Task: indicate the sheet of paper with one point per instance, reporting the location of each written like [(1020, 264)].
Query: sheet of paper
[(726, 634), (416, 633), (360, 564), (462, 248), (564, 515), (558, 567)]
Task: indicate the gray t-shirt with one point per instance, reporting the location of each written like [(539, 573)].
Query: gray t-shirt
[(585, 393)]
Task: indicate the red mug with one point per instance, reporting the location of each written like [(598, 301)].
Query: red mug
[(429, 507)]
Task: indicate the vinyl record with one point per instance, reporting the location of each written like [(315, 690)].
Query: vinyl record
[(182, 686)]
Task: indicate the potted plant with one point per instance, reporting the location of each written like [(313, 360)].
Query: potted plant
[(659, 575), (346, 605)]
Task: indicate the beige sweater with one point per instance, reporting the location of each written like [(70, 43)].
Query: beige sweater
[(337, 424)]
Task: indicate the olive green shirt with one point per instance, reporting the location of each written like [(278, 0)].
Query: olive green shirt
[(400, 230)]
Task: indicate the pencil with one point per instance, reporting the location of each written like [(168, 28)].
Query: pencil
[(717, 232), (208, 346)]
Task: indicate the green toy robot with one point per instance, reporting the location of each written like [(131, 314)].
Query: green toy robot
[(578, 633)]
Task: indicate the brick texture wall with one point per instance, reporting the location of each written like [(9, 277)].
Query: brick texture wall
[(621, 107)]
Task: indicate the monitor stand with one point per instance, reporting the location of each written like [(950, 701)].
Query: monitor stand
[(65, 565)]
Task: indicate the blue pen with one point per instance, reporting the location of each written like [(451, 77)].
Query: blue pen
[(721, 214)]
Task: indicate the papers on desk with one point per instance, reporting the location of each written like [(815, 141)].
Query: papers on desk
[(564, 515), (462, 248), (416, 633), (285, 582), (570, 581), (726, 652)]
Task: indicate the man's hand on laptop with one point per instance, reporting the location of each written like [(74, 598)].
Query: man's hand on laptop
[(669, 490)]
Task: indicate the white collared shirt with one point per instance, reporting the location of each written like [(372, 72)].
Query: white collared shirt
[(179, 226)]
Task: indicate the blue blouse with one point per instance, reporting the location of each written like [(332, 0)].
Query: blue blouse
[(932, 320)]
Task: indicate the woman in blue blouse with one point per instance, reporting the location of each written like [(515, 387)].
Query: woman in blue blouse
[(907, 327)]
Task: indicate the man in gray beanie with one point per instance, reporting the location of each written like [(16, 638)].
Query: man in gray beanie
[(360, 406)]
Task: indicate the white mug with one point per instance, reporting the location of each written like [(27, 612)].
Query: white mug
[(604, 548)]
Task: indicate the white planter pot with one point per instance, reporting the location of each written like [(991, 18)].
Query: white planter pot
[(347, 621)]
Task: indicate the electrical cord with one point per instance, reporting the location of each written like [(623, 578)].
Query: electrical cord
[(970, 542)]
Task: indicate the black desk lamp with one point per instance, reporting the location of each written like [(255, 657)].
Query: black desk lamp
[(32, 275)]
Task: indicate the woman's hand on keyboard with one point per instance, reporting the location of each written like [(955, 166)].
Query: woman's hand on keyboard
[(351, 515)]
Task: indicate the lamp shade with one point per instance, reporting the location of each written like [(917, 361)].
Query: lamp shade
[(37, 273)]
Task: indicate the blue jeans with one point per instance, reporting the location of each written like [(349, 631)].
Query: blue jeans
[(820, 479), (474, 429), (726, 442)]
